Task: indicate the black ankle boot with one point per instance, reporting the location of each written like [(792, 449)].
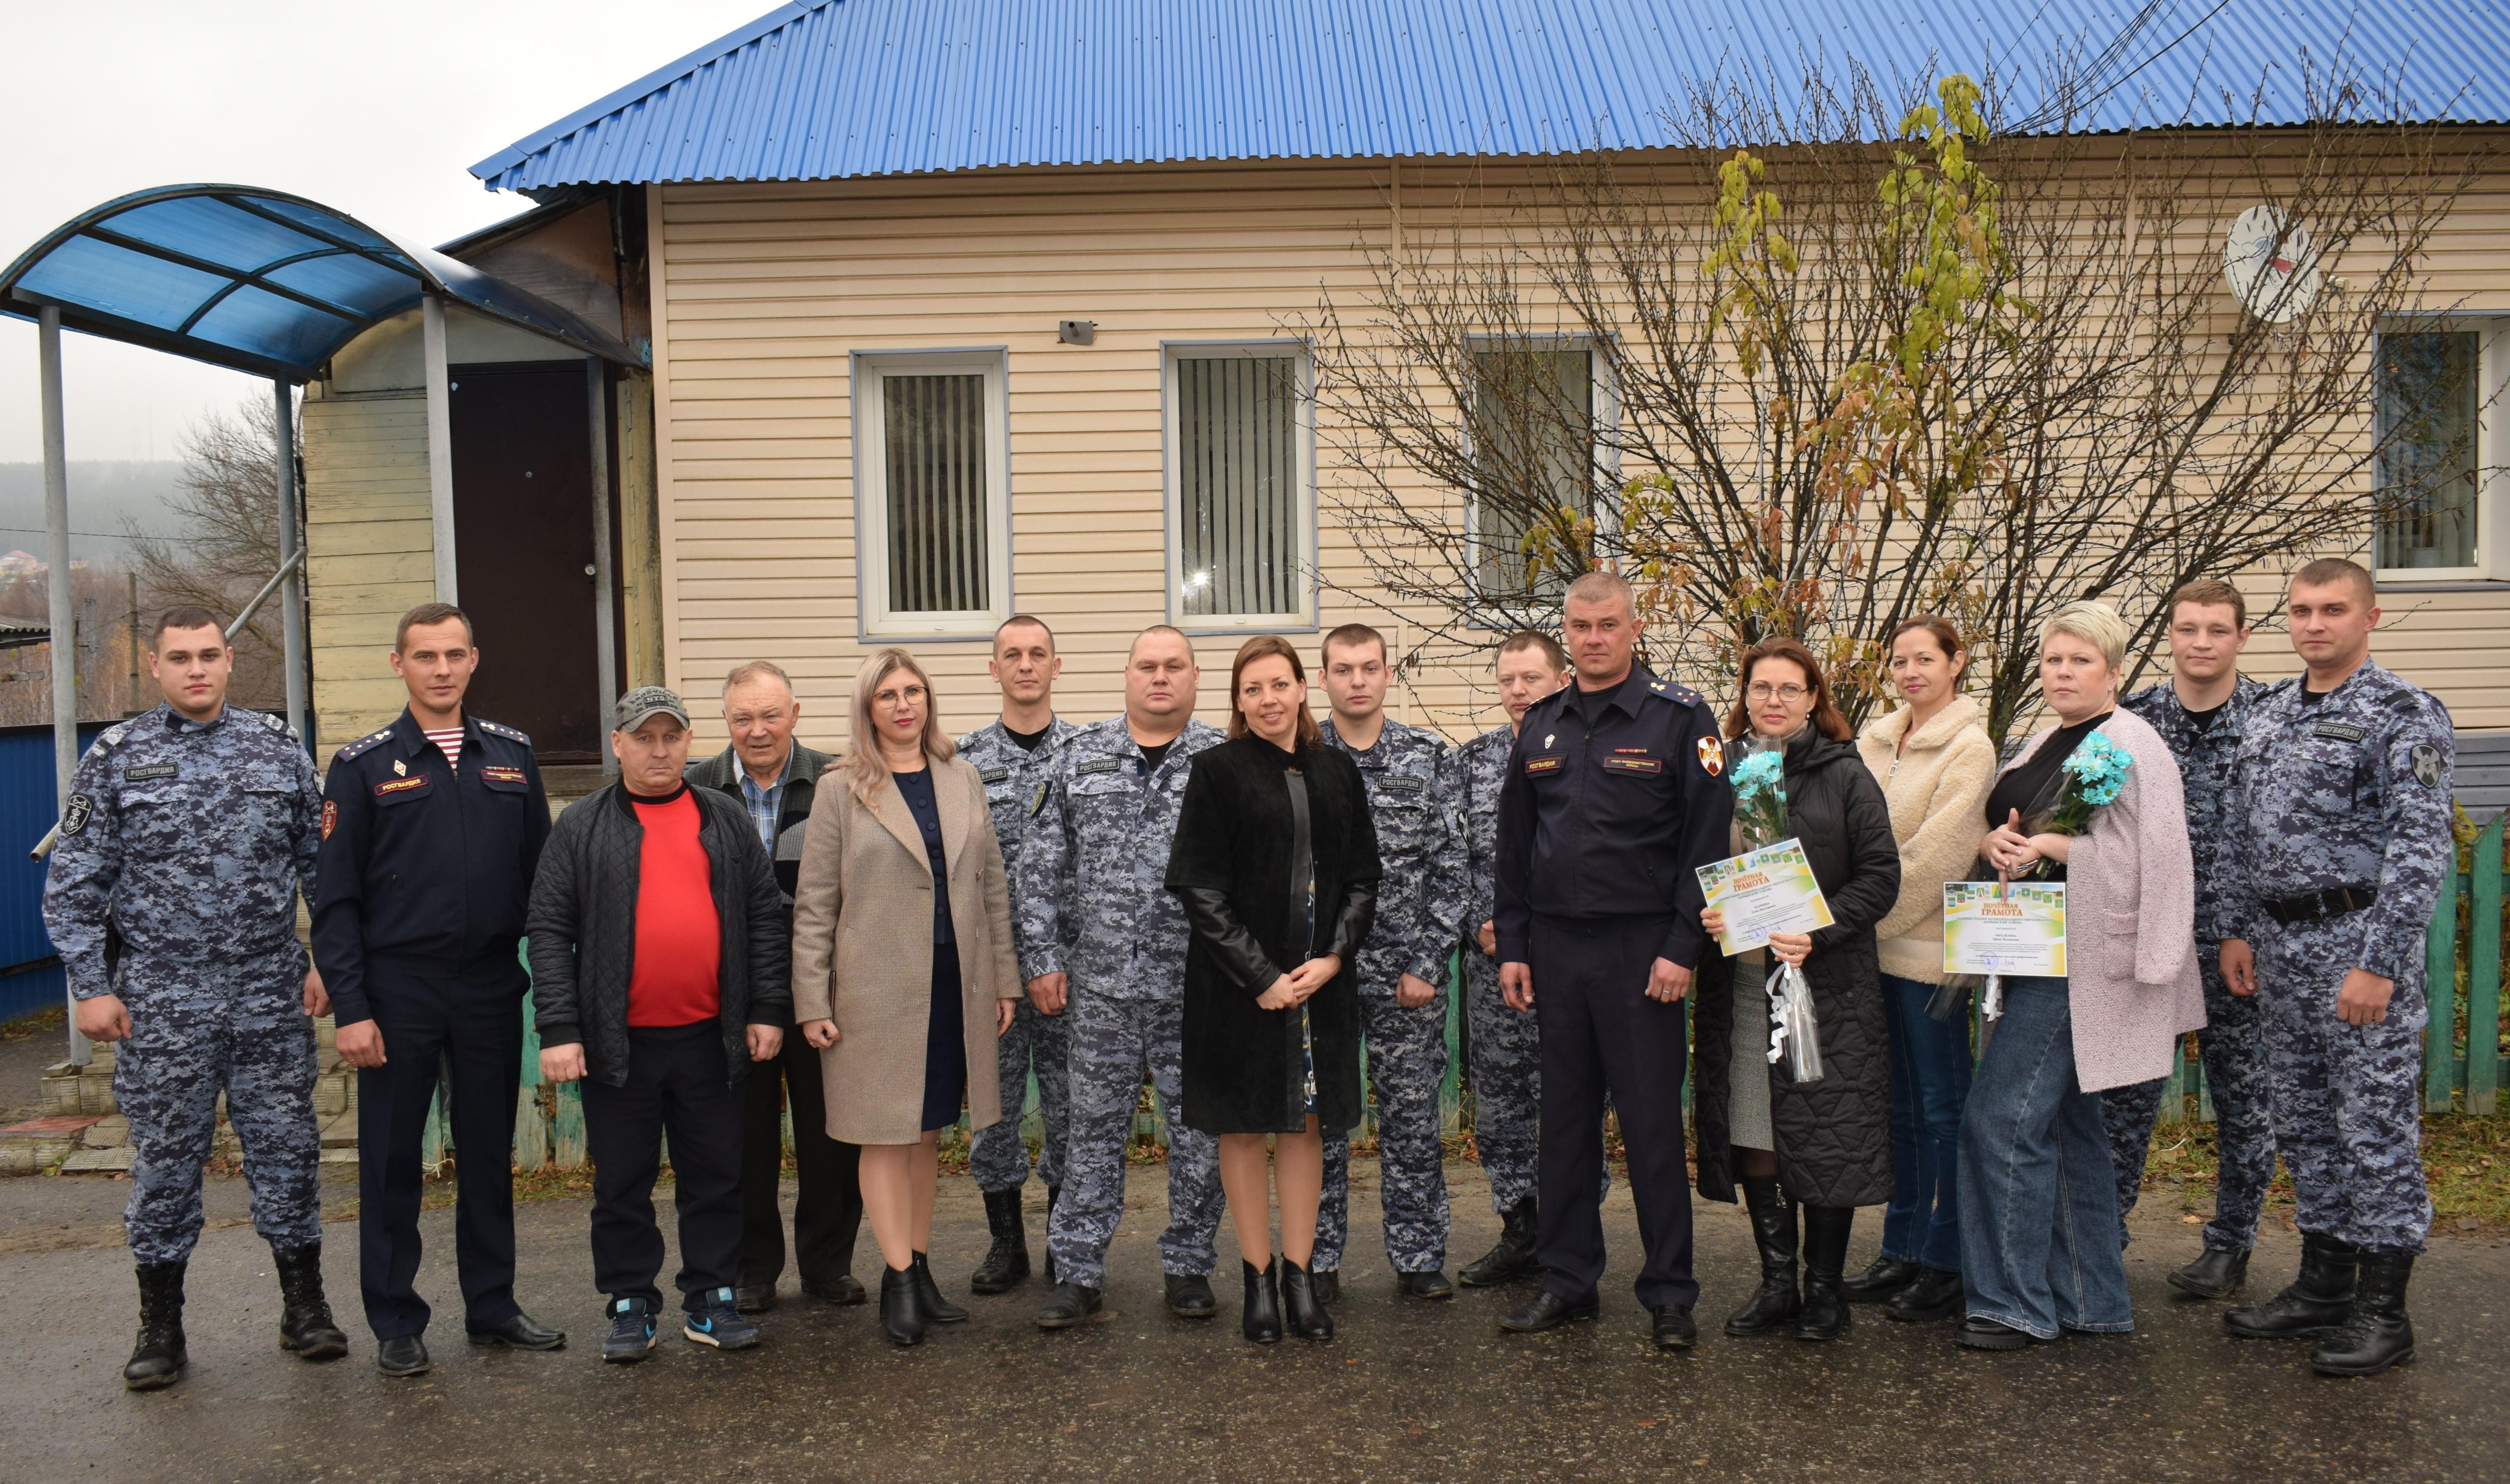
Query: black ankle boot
[(159, 1357), (1263, 1315), (2376, 1335), (1303, 1314), (1006, 1261), (1825, 1315), (305, 1317), (1513, 1257), (928, 1294), (1776, 1304), (2318, 1302), (901, 1309)]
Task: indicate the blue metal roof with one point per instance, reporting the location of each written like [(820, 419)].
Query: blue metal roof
[(841, 88), (258, 281)]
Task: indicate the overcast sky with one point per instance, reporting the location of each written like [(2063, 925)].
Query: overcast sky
[(371, 107)]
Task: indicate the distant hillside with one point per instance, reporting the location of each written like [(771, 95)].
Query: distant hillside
[(103, 494)]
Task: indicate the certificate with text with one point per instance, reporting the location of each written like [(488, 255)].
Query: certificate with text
[(2016, 927), (1764, 892)]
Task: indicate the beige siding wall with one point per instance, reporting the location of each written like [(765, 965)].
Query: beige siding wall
[(370, 552), (763, 292)]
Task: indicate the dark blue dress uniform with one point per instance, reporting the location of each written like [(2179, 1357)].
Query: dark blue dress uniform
[(418, 914), (1612, 799)]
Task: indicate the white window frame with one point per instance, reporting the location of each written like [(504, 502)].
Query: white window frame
[(1172, 486), (2492, 449), (870, 371), (1607, 416)]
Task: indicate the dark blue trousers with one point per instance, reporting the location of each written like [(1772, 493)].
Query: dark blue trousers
[(467, 1020), (1603, 1037)]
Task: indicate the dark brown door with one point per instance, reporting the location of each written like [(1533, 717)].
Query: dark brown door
[(523, 539)]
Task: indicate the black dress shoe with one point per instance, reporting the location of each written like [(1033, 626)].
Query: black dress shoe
[(1070, 1304), (2214, 1275), (1432, 1284), (1548, 1310), (844, 1288), (1984, 1334), (753, 1298), (1935, 1295), (404, 1356), (1674, 1327), (1882, 1278), (1190, 1296), (521, 1333)]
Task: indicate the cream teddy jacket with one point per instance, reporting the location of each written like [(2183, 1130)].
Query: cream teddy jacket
[(1937, 791)]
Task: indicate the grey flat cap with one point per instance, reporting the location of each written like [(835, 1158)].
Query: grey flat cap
[(647, 701)]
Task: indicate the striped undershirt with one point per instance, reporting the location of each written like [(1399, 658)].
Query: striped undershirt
[(449, 743)]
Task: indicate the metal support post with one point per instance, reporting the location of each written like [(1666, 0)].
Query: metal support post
[(292, 595), (57, 556), (439, 446)]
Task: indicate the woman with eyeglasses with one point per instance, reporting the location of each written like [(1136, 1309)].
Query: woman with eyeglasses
[(1935, 761), (1822, 1146)]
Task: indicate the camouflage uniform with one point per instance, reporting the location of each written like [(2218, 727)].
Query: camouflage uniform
[(1093, 903), (1505, 1045), (1015, 784), (1413, 796), (2233, 1040), (2351, 791), (189, 843)]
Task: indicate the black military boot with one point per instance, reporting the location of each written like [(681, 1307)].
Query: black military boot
[(2318, 1302), (1053, 1194), (158, 1359), (2214, 1275), (1776, 1304), (1512, 1258), (305, 1317), (1006, 1261), (1188, 1295), (2376, 1335), (1825, 1315), (901, 1309), (1262, 1321), (1070, 1304), (1301, 1309), (927, 1293)]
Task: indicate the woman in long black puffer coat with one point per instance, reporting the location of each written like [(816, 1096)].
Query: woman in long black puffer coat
[(1826, 1145)]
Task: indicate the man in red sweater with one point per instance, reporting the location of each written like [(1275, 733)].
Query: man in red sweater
[(660, 973)]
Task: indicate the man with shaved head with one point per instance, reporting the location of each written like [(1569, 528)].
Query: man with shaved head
[(1100, 935)]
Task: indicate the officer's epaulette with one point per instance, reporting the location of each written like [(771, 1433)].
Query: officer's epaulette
[(112, 735), (500, 729), (1672, 691), (364, 745)]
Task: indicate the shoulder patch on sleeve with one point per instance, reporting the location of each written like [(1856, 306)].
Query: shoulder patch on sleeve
[(362, 744), (500, 729), (2427, 762), (75, 816)]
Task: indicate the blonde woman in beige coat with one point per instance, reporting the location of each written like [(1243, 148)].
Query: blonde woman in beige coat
[(904, 971), (1934, 761)]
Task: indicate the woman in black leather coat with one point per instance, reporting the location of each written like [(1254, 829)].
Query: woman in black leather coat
[(1275, 863)]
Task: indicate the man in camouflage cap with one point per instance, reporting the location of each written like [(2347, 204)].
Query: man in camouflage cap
[(2337, 843), (190, 831)]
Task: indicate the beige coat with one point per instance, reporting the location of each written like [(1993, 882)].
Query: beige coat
[(1937, 791), (863, 948)]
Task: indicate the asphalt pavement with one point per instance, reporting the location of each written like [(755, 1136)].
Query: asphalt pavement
[(1409, 1390)]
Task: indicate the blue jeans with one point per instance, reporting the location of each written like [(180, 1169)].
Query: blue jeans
[(2040, 1245), (1929, 1087)]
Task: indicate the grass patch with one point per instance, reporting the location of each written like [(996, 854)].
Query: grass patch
[(2466, 1163)]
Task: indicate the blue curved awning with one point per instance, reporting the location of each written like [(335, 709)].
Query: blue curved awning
[(255, 281)]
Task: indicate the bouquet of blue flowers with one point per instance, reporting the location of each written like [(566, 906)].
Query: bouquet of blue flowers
[(2091, 775), (1761, 795)]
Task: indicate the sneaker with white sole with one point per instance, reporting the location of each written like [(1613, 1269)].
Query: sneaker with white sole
[(715, 1318), (631, 1331)]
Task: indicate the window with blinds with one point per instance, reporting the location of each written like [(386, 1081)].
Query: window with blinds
[(2429, 481), (1534, 444), (931, 484), (1238, 478)]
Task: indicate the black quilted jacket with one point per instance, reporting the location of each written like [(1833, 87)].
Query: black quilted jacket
[(1834, 1136), (582, 929)]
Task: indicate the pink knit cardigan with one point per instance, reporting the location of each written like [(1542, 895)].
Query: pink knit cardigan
[(2131, 919)]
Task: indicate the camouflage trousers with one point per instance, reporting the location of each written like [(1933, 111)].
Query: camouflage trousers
[(2347, 1098), (196, 1032), (1505, 1046), (1407, 1061), (2233, 1048), (999, 1159), (1115, 1043)]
